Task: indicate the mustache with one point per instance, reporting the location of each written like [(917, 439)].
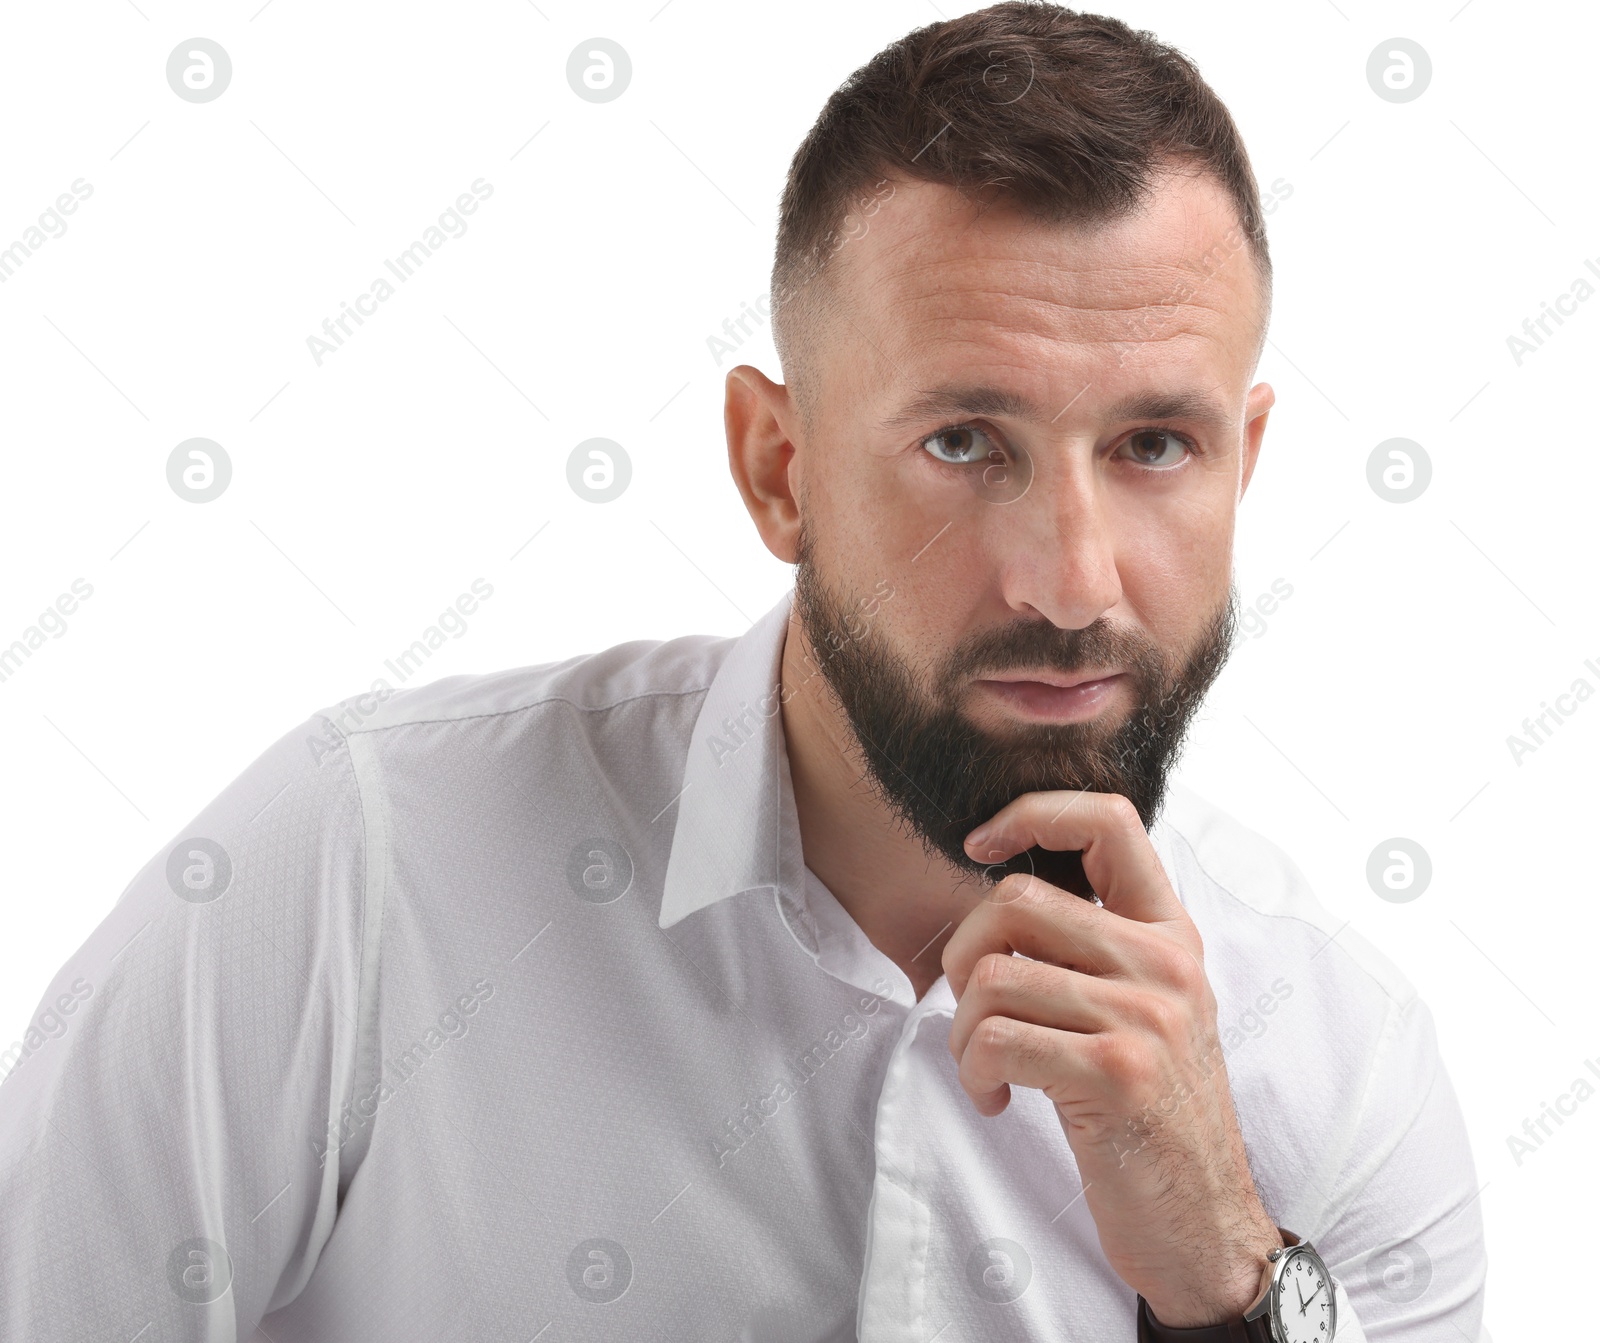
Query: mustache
[(1036, 645)]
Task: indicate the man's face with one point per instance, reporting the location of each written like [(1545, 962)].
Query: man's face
[(1036, 436)]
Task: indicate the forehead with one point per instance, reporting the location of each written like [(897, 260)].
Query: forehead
[(939, 285)]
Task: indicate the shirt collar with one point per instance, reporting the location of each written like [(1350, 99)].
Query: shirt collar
[(737, 827)]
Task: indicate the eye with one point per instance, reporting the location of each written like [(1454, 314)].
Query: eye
[(965, 444), (1152, 447)]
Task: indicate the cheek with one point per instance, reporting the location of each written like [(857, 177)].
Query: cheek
[(890, 525), (855, 503), (1175, 558)]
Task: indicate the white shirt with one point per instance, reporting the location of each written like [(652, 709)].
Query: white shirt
[(508, 1009)]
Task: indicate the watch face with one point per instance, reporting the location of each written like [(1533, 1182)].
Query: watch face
[(1304, 1294)]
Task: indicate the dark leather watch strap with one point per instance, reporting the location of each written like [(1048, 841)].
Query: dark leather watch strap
[(1152, 1330), (1241, 1330)]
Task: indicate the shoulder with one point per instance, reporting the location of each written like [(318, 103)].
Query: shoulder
[(1255, 907), (638, 674), (1332, 1055)]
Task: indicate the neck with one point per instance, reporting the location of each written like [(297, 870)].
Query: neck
[(907, 903)]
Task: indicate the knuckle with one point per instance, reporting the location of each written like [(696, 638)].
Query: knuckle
[(1188, 973), (992, 972), (992, 1036), (1032, 885), (1121, 811), (1121, 1060), (1176, 966), (1109, 1053), (1164, 1017), (1011, 888)]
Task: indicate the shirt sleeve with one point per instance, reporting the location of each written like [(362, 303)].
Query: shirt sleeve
[(1404, 1237), (171, 1121)]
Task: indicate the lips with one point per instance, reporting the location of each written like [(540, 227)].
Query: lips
[(1061, 680), (1060, 698)]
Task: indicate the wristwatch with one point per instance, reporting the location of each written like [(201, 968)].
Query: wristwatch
[(1295, 1305)]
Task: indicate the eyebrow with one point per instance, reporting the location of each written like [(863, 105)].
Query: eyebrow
[(960, 401), (1186, 405)]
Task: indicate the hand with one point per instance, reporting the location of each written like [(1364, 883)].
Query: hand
[(1108, 1012)]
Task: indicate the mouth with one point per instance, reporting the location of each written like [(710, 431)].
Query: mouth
[(1054, 696)]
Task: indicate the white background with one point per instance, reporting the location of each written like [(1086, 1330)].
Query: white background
[(370, 491)]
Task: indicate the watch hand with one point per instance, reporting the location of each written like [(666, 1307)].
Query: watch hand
[(1302, 1299), (1306, 1301)]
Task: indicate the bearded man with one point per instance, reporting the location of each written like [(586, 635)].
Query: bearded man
[(862, 977)]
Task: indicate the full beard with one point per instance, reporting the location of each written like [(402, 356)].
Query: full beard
[(941, 774)]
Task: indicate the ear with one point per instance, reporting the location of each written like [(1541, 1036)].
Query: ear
[(1256, 405), (759, 415)]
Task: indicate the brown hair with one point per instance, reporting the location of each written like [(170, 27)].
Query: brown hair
[(1068, 116)]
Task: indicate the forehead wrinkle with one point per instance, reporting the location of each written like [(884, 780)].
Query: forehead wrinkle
[(926, 321), (944, 297), (1113, 304), (1121, 291), (900, 258)]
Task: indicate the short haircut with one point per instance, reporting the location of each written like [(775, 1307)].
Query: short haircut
[(1067, 116)]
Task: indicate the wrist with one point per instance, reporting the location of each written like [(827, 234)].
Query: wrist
[(1232, 1285)]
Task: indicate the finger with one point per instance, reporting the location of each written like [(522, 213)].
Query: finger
[(1003, 1053), (1035, 919), (1025, 990), (1118, 857)]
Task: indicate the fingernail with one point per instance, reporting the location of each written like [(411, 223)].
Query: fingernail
[(978, 836)]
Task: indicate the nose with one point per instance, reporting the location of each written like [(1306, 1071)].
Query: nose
[(1059, 545)]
